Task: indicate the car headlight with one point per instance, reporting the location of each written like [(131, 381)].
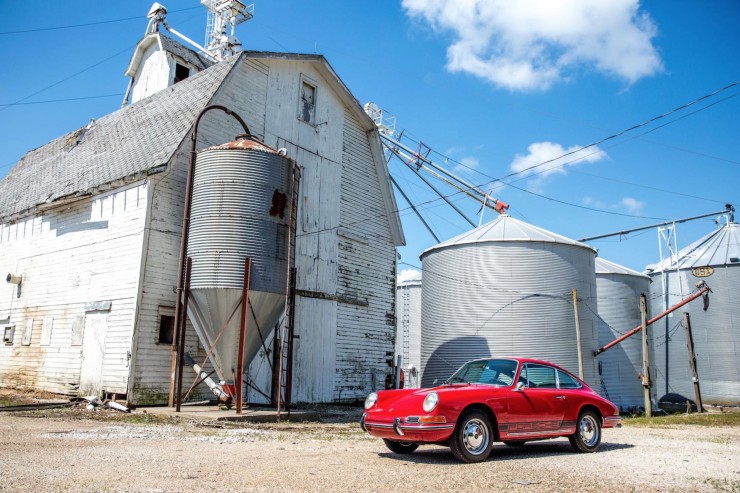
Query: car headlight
[(371, 400), (430, 402)]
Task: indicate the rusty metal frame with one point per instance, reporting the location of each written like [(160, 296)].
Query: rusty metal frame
[(239, 377), (180, 310)]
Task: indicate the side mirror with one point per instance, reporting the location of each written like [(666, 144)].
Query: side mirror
[(519, 387)]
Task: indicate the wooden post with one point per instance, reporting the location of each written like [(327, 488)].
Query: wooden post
[(645, 357), (692, 361), (578, 334)]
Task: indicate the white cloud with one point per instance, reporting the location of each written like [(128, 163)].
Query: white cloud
[(526, 45), (549, 153), (467, 164), (633, 206), (406, 274), (627, 204)]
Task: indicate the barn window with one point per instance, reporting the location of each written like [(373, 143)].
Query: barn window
[(166, 325), (8, 334), (181, 72), (27, 333), (307, 101)]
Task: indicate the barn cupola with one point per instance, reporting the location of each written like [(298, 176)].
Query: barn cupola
[(160, 61)]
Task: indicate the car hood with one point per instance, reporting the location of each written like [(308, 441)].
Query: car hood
[(411, 400)]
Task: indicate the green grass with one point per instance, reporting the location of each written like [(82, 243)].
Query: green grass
[(703, 419)]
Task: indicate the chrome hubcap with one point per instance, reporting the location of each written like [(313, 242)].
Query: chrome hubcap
[(589, 431), (475, 436)]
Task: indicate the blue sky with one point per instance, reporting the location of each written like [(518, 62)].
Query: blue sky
[(497, 86)]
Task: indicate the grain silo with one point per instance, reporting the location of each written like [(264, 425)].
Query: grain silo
[(618, 302), (506, 289), (241, 207), (714, 259), (408, 327)]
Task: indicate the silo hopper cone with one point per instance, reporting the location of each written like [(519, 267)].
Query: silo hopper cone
[(216, 316)]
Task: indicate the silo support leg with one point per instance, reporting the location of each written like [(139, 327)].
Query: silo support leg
[(239, 378)]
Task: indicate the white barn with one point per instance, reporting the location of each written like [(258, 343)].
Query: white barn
[(90, 224)]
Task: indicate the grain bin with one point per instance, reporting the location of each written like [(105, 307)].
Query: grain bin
[(618, 303), (408, 327), (505, 289), (241, 205), (714, 259)]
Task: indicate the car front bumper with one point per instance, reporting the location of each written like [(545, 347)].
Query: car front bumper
[(406, 429)]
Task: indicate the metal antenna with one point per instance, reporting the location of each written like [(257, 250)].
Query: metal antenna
[(225, 15)]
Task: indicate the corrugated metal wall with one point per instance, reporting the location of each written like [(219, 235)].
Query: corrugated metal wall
[(716, 335), (619, 310), (408, 330), (506, 299)]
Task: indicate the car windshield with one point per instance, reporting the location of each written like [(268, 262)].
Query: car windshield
[(487, 371)]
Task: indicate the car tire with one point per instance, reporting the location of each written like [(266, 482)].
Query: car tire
[(514, 443), (397, 447), (472, 439), (587, 437)]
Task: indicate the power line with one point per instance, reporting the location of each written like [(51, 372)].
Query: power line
[(72, 26), (89, 67), (65, 100), (634, 127)]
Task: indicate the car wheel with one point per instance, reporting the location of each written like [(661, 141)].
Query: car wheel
[(587, 437), (401, 447), (473, 437), (514, 443)]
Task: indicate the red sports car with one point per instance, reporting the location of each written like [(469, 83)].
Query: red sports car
[(514, 400)]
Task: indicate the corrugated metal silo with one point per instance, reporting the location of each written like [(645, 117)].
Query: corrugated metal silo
[(505, 289), (618, 302), (240, 208), (714, 259), (408, 327)]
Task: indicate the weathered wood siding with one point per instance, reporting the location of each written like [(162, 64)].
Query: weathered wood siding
[(366, 272), (71, 257), (345, 256), (153, 75)]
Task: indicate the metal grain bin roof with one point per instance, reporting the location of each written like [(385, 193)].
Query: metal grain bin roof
[(506, 228), (606, 267), (720, 247)]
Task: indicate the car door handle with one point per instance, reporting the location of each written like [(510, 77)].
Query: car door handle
[(561, 397)]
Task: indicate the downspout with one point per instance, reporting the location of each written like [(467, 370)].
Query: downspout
[(128, 92)]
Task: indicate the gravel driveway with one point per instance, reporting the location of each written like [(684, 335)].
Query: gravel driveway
[(64, 450)]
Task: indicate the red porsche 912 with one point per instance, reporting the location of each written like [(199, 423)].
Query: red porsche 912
[(513, 400)]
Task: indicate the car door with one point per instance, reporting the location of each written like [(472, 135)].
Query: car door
[(538, 408)]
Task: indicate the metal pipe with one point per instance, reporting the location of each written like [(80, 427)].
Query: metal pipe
[(238, 381), (413, 208), (181, 333), (703, 289), (217, 390), (437, 167), (441, 195), (730, 209), (185, 230), (467, 189)]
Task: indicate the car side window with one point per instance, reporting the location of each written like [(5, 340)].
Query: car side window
[(536, 376), (567, 381)]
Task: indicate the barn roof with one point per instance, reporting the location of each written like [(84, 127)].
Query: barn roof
[(140, 140), (125, 144)]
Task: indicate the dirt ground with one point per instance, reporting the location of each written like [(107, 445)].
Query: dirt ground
[(80, 450)]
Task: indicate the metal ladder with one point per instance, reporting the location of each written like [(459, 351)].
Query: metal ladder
[(284, 357)]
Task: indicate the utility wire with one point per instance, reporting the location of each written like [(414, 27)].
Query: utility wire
[(64, 100), (89, 67), (72, 26)]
